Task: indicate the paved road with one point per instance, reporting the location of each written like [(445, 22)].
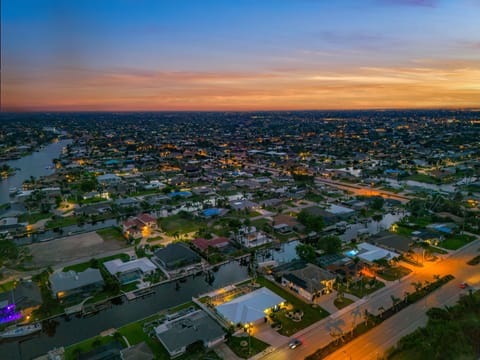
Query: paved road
[(357, 189), (387, 334)]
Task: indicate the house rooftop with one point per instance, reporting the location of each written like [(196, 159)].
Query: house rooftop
[(64, 281), (118, 266), (250, 307), (188, 329)]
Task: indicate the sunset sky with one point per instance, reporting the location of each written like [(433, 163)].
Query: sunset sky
[(239, 55)]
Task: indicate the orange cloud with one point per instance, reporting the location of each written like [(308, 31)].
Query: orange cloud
[(425, 84)]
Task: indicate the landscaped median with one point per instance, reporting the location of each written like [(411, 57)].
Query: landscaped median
[(371, 321)]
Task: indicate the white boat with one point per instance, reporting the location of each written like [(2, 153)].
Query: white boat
[(22, 330), (12, 191)]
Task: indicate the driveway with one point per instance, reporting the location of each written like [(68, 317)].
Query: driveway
[(265, 333)]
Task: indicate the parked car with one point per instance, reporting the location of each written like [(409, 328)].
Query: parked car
[(463, 285)]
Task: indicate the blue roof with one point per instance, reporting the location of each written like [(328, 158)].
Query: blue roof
[(211, 212), (180, 193), (394, 171), (111, 162)]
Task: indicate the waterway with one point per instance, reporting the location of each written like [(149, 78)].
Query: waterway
[(372, 227), (37, 164), (66, 332)]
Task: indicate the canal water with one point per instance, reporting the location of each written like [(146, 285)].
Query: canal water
[(37, 164), (372, 227), (67, 332), (67, 230)]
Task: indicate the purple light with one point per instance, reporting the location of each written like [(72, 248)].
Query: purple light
[(11, 317)]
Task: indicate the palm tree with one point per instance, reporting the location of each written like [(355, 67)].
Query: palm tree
[(176, 235), (366, 317), (381, 310), (417, 285), (395, 301)]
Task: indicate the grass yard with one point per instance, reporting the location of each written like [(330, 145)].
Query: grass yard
[(310, 314), (423, 178), (240, 346), (62, 222), (111, 233), (361, 289), (457, 241), (32, 218), (181, 223), (394, 273), (71, 352), (340, 303), (7, 286), (260, 223), (84, 266)]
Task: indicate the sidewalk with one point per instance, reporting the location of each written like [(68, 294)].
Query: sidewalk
[(224, 352)]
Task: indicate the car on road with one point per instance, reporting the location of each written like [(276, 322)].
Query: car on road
[(463, 285), (294, 343)]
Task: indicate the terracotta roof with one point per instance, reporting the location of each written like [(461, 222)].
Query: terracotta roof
[(203, 244)]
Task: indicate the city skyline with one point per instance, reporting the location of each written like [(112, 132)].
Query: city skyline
[(232, 55)]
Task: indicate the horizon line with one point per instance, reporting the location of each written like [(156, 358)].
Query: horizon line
[(380, 109)]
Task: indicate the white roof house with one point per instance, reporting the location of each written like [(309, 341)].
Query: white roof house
[(250, 307), (118, 266), (369, 253)]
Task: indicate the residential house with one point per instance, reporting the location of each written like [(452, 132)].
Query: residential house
[(139, 226), (70, 284), (130, 271), (309, 282), (249, 236), (203, 244), (176, 258), (178, 334)]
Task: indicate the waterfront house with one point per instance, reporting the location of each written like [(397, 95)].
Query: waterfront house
[(178, 334), (308, 282), (130, 271), (70, 284), (176, 257)]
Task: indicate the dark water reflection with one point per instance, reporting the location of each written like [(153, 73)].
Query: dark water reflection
[(66, 331)]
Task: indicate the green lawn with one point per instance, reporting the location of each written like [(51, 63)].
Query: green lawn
[(423, 178), (111, 233), (130, 287), (32, 218), (343, 302), (359, 288), (7, 286), (310, 314), (394, 273), (456, 241), (62, 222), (181, 223), (260, 223), (87, 345), (235, 343), (252, 214), (84, 266)]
